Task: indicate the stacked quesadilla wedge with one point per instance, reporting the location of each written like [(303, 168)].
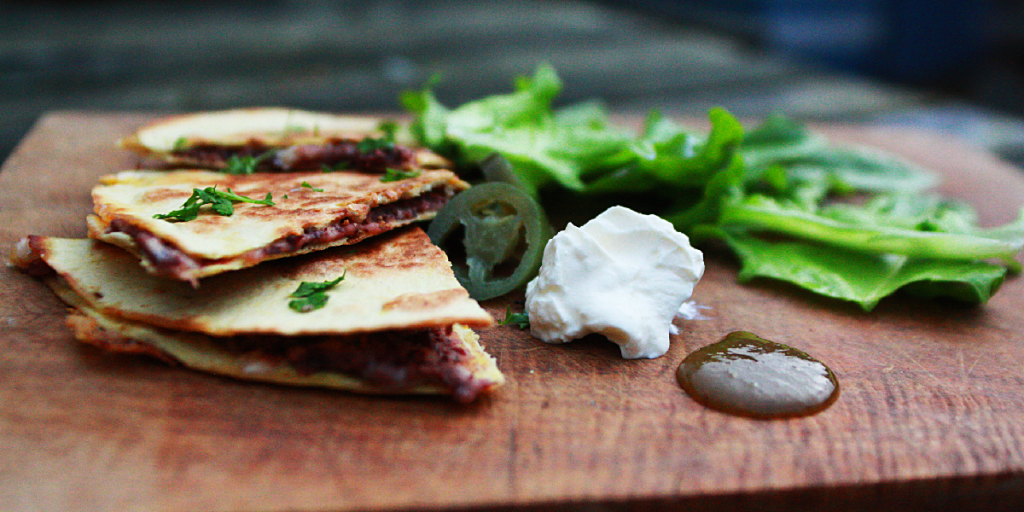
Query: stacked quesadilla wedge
[(277, 139), (397, 320), (269, 271), (310, 211)]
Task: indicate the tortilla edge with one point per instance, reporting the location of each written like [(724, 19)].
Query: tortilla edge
[(94, 328)]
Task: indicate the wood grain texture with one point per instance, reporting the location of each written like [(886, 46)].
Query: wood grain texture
[(931, 412)]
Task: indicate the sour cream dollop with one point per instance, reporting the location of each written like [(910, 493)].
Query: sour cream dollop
[(623, 274)]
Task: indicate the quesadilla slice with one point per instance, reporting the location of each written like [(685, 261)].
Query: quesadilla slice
[(396, 322), (277, 140), (289, 214)]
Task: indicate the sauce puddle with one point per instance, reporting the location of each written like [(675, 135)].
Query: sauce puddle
[(749, 376)]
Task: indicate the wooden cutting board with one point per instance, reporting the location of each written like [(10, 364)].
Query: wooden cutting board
[(931, 413)]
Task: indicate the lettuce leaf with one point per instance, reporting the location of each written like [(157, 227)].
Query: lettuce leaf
[(864, 279), (667, 158), (544, 146), (870, 234), (776, 194)]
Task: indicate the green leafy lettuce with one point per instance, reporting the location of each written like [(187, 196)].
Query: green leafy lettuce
[(543, 145), (851, 223)]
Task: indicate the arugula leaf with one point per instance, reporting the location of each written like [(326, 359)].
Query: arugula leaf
[(397, 175), (220, 202), (312, 295), (245, 164)]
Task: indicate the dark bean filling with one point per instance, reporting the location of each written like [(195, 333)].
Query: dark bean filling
[(171, 261), (333, 154), (393, 361), (379, 220)]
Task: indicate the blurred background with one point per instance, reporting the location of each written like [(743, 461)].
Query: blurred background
[(955, 66)]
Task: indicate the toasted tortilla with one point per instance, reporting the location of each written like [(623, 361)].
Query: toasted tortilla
[(398, 322), (311, 211), (297, 140), (393, 281)]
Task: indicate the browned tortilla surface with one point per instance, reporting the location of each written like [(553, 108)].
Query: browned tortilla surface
[(395, 323), (310, 211)]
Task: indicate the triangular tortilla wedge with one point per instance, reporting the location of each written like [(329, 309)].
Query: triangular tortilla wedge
[(311, 211), (288, 140), (393, 281), (396, 323)]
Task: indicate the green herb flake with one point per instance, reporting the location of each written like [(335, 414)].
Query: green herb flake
[(221, 203), (397, 175), (305, 184), (389, 128), (244, 164), (312, 295), (520, 320), (370, 144), (180, 143), (385, 142), (340, 166)]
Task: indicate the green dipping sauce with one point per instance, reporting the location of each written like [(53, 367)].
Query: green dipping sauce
[(749, 376)]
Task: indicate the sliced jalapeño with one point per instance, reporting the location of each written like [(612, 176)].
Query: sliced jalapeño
[(494, 235)]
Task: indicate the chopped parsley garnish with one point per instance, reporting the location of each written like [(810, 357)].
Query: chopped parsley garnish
[(389, 128), (305, 184), (180, 143), (244, 164), (397, 175), (309, 296), (520, 320), (296, 128), (384, 142), (370, 144), (221, 202), (340, 166)]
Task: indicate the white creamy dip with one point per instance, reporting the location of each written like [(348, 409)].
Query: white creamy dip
[(624, 275)]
